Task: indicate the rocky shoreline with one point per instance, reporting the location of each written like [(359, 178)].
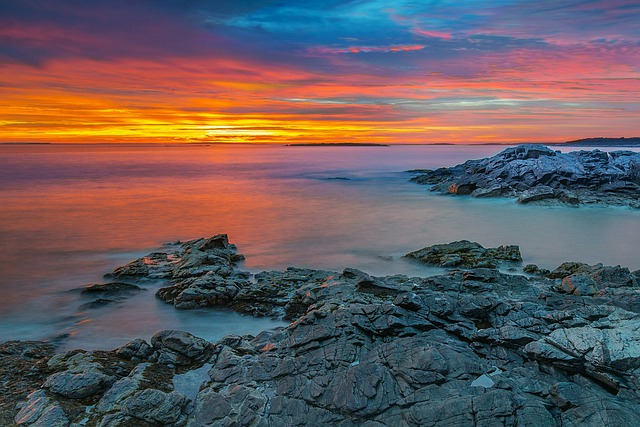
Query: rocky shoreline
[(538, 174), (472, 347)]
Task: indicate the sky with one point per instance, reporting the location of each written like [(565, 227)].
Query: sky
[(285, 71)]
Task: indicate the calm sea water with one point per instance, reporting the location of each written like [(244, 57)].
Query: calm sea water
[(69, 214)]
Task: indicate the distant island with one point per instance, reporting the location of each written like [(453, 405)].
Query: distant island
[(25, 143), (338, 144), (603, 141)]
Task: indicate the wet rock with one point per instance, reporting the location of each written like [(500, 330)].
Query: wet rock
[(466, 254), (535, 194), (285, 294), (112, 288), (493, 191), (108, 293), (473, 347), (201, 273), (182, 344), (78, 385), (137, 349), (534, 269), (156, 265), (537, 174)]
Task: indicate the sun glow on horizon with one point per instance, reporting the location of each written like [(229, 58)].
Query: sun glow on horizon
[(216, 75)]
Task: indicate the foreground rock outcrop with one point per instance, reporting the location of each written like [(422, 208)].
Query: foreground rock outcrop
[(472, 347), (537, 174)]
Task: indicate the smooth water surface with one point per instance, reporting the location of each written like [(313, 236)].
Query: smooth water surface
[(69, 214)]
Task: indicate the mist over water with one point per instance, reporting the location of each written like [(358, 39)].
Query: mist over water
[(69, 214)]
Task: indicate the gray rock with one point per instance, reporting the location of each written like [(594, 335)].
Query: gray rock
[(583, 279), (534, 194), (534, 269), (78, 385), (156, 406), (493, 191), (466, 254), (473, 347), (23, 368), (41, 411), (137, 349), (535, 173), (112, 288), (182, 343)]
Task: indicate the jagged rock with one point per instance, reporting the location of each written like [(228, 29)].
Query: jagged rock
[(466, 254), (584, 279), (493, 191), (568, 268), (534, 269), (41, 411), (535, 194), (534, 173), (182, 344), (200, 272), (155, 265), (137, 349)]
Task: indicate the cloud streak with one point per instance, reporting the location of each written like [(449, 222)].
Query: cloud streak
[(281, 71)]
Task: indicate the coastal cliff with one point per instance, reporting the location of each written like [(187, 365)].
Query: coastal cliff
[(538, 174), (474, 347)]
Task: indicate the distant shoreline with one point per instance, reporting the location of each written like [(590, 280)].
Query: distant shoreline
[(337, 144), (26, 143), (603, 142), (631, 142)]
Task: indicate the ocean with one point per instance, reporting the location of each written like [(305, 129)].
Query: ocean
[(71, 213)]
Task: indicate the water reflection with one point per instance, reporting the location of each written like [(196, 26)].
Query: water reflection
[(70, 214)]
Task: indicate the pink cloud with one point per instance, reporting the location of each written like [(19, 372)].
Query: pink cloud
[(435, 34), (366, 49)]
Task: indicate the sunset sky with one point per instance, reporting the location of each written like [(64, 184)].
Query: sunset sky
[(282, 71)]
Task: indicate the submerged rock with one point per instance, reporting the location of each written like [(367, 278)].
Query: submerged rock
[(112, 288), (537, 174), (108, 293)]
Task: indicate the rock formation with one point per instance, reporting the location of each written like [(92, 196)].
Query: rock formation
[(535, 173), (472, 347), (466, 254)]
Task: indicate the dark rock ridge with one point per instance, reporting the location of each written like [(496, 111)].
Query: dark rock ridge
[(535, 173), (473, 347)]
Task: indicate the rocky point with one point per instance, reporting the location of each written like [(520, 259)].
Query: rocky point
[(471, 347), (537, 174)]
